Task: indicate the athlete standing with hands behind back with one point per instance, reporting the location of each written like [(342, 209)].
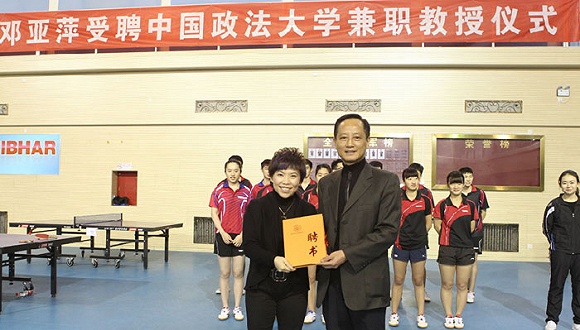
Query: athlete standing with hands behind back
[(454, 219), (478, 197), (411, 245)]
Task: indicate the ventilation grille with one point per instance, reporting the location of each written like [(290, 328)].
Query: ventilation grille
[(203, 230), (500, 237), (3, 222)]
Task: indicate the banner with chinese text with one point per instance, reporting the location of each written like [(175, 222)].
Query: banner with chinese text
[(499, 162), (392, 21)]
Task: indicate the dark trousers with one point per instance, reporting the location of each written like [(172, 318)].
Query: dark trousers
[(340, 317), (560, 265), (271, 301)]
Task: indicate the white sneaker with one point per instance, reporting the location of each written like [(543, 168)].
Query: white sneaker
[(238, 315), (470, 297), (576, 326), (310, 317), (550, 325), (458, 322), (224, 314), (394, 320), (427, 298), (421, 322), (449, 324)]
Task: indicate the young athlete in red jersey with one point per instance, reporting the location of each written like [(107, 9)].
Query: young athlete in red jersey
[(228, 203), (454, 219), (410, 245), (477, 196)]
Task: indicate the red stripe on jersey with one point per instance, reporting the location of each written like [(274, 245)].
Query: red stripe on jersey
[(412, 224), (478, 197), (311, 197), (265, 191), (231, 206), (466, 212), (256, 189), (424, 191)]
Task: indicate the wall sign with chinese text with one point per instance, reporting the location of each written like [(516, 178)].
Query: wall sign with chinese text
[(393, 21), (393, 151), (499, 162)]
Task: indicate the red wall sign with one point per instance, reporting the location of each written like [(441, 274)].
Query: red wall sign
[(511, 162), (322, 22)]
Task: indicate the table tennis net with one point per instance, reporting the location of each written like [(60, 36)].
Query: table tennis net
[(97, 218)]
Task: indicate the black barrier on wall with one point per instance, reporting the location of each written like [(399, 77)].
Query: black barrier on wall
[(203, 230), (3, 222)]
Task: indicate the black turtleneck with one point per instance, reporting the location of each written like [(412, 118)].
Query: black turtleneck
[(284, 203), (354, 170)]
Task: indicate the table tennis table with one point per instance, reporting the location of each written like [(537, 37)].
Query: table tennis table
[(18, 247), (108, 222)]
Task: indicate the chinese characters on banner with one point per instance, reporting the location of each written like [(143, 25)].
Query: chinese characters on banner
[(393, 152), (322, 22), (304, 240), (499, 162)]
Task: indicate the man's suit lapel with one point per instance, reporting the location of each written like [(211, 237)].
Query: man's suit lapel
[(330, 200), (363, 183), (333, 194)]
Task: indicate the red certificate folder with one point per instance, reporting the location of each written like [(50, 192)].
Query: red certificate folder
[(304, 240)]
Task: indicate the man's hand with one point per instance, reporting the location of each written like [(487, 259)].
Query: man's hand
[(334, 260)]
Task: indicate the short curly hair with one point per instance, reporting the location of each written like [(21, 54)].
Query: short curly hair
[(286, 158)]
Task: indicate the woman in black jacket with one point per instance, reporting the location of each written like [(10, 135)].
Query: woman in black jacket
[(274, 288), (562, 228)]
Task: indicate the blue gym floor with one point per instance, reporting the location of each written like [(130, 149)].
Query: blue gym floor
[(181, 295)]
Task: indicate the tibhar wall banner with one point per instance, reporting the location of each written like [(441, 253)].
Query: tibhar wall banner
[(29, 153), (391, 21)]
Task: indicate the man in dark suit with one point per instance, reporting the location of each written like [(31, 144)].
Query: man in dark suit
[(361, 206)]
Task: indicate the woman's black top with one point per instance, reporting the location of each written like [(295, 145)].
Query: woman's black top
[(263, 239)]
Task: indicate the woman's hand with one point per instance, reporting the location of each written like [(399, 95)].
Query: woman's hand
[(226, 237), (282, 265), (238, 240)]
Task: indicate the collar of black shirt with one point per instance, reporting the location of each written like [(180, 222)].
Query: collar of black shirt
[(355, 168)]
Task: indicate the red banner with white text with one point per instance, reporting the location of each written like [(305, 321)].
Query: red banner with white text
[(391, 21)]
